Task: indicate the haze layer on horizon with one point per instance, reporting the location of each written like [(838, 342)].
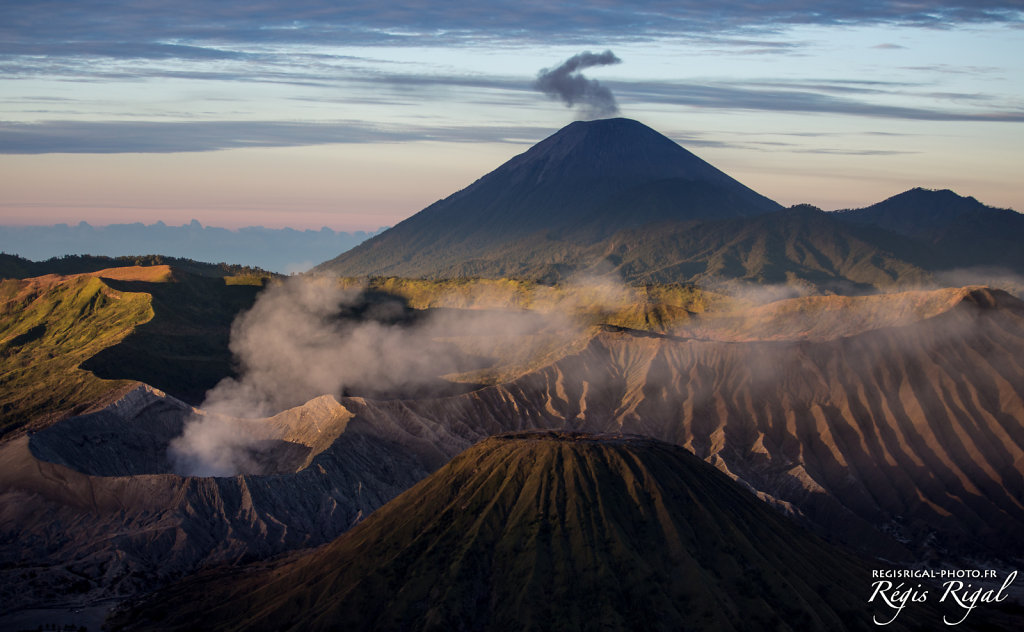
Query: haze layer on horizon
[(308, 114)]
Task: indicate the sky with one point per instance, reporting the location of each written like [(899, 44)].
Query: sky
[(353, 116)]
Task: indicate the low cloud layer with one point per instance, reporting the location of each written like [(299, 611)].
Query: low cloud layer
[(567, 84), (278, 250), (994, 277)]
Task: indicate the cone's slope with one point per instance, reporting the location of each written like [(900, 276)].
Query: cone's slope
[(585, 182), (801, 245), (549, 531)]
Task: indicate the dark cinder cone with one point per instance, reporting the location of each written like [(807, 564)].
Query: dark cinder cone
[(549, 531)]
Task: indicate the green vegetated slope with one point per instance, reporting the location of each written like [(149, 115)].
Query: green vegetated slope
[(171, 329), (548, 531), (48, 327), (802, 246), (70, 343)]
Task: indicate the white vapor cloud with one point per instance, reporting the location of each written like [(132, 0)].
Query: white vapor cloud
[(309, 336)]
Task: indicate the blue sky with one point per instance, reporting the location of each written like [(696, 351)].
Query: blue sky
[(354, 116)]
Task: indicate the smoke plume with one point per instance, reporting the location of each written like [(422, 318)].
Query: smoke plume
[(308, 337), (567, 84)]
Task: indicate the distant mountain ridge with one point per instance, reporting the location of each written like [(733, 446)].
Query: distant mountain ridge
[(16, 267), (278, 250), (614, 196), (918, 212), (960, 230)]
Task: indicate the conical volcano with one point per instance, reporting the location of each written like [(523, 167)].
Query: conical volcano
[(549, 531), (580, 185)]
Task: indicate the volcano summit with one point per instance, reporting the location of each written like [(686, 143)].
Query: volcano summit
[(613, 195), (580, 185)]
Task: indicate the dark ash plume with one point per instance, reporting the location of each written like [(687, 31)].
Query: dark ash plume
[(567, 84)]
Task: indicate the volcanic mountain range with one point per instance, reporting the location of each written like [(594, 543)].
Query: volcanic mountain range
[(890, 425)]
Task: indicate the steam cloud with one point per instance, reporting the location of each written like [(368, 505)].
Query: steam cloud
[(567, 84), (309, 337)]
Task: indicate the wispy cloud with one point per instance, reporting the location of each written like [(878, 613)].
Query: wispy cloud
[(751, 142), (832, 97), (813, 99), (953, 70), (425, 23), (301, 45), (119, 50), (104, 137), (854, 152)]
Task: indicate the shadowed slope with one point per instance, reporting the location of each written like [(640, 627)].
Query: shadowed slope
[(616, 195), (801, 245), (547, 531), (183, 349)]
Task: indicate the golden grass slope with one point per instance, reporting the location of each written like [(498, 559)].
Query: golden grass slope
[(49, 325)]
